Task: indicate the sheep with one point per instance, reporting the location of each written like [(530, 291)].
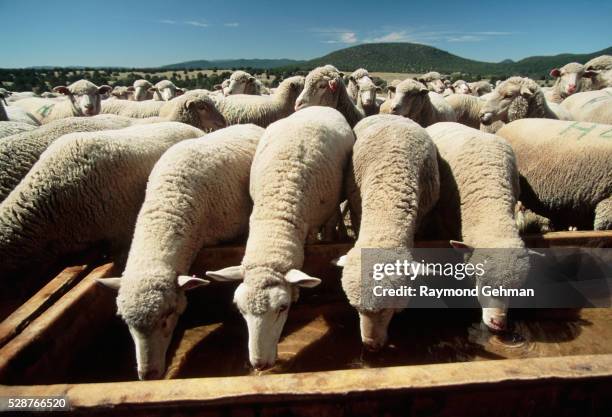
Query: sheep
[(18, 153), (354, 80), (241, 82), (528, 221), (195, 109), (324, 87), (591, 106), (8, 128), (413, 100), (141, 90), (135, 109), (197, 196), (516, 98), (566, 170), (86, 188), (261, 110), (461, 87), (164, 90), (568, 81), (480, 88), (392, 183), (17, 114), (83, 99), (433, 81), (466, 108), (479, 186), (601, 69), (390, 90), (366, 98), (122, 93), (296, 181), (15, 95), (223, 87)]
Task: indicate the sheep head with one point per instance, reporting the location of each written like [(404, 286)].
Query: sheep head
[(141, 89), (569, 78), (509, 101), (599, 70), (408, 99), (322, 88), (264, 298), (85, 96), (433, 81), (164, 90), (239, 83), (151, 308)]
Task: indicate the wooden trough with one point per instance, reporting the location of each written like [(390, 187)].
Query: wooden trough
[(67, 341)]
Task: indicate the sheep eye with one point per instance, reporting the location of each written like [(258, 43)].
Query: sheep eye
[(323, 86), (283, 308)]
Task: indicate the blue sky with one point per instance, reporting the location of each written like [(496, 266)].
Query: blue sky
[(152, 33)]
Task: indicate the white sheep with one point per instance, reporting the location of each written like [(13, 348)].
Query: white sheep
[(466, 108), (480, 88), (261, 110), (86, 188), (359, 75), (516, 98), (241, 82), (461, 87), (392, 183), (122, 93), (413, 100), (602, 69), (141, 90), (197, 196), (367, 101), (566, 167), (324, 87), (568, 81), (18, 153), (8, 128), (83, 99), (479, 186), (165, 90), (296, 182), (135, 109), (590, 106), (433, 81)]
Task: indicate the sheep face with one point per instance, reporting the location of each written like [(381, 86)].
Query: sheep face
[(461, 87), (569, 78), (433, 81), (151, 315), (600, 71), (323, 92), (163, 94), (373, 326), (264, 299), (208, 118), (367, 93), (510, 98), (85, 96), (409, 98), (240, 84), (141, 90)]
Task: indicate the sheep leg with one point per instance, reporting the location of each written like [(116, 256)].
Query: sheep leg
[(603, 215)]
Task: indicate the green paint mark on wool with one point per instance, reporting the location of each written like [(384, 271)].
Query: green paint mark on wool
[(576, 125), (45, 110)]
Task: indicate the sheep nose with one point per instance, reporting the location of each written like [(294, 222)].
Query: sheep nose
[(261, 365), (571, 88), (395, 109), (149, 374), (298, 104), (373, 345), (485, 118)]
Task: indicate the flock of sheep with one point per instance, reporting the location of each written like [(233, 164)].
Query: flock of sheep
[(167, 172)]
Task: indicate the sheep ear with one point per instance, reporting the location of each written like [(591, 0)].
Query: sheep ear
[(62, 89), (103, 89), (112, 283), (333, 85), (251, 79), (301, 279), (341, 261), (525, 91), (152, 90), (189, 282), (424, 91), (555, 72), (195, 103), (179, 92), (131, 88), (391, 88), (378, 90), (217, 86), (589, 74), (461, 246), (231, 273)]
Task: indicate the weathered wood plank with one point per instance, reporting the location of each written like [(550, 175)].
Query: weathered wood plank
[(71, 322), (38, 303)]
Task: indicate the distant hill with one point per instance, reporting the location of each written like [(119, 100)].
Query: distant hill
[(235, 63), (411, 57), (404, 57)]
